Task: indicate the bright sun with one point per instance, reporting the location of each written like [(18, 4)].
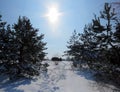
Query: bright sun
[(53, 14)]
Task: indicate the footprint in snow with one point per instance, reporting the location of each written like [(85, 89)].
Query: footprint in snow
[(55, 88)]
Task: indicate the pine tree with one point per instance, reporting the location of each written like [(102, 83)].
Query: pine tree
[(76, 49), (105, 35), (21, 49), (30, 47), (2, 45), (99, 44), (7, 50), (73, 52)]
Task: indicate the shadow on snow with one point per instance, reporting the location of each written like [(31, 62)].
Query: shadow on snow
[(11, 85)]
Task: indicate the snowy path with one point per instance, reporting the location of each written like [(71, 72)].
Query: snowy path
[(60, 78), (70, 81)]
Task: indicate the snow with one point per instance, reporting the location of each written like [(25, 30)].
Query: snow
[(59, 78)]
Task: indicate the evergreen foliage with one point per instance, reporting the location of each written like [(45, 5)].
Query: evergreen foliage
[(99, 44), (21, 49)]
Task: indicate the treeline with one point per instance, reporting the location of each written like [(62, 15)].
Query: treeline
[(56, 59), (99, 45), (21, 49)]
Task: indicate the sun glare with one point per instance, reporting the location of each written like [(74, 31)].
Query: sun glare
[(53, 14)]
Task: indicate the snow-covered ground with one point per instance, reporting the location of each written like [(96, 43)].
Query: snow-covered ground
[(60, 78)]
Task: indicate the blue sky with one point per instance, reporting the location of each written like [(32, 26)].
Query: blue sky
[(75, 14)]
